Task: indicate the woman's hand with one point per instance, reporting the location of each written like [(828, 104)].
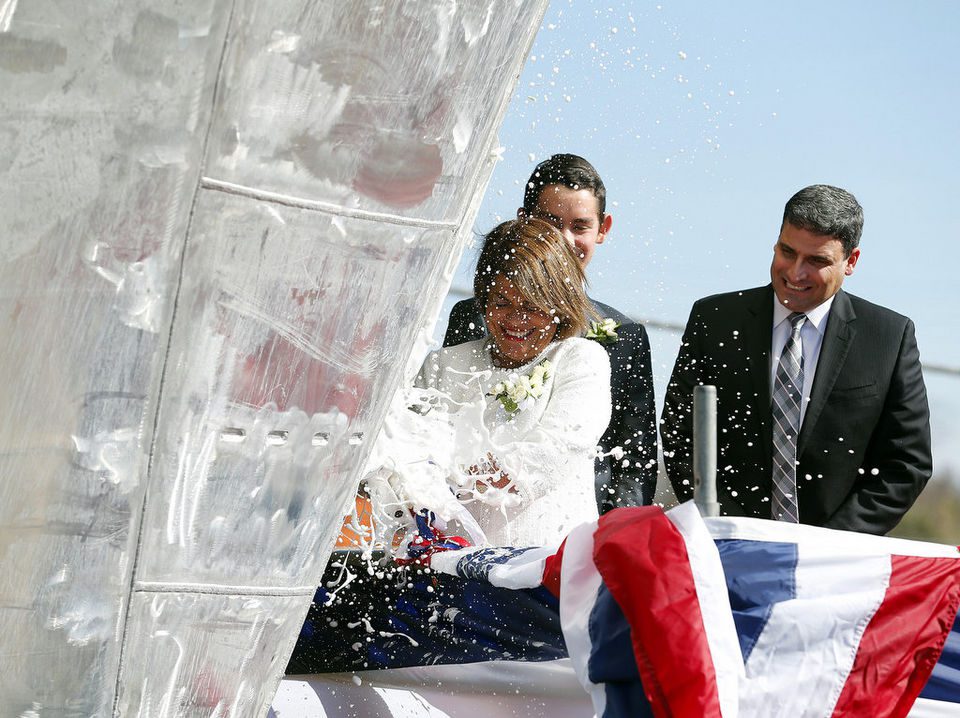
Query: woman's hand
[(496, 478)]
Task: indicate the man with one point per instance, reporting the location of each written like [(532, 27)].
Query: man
[(567, 191), (822, 410)]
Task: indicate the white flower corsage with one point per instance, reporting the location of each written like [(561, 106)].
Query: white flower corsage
[(518, 390), (604, 332)]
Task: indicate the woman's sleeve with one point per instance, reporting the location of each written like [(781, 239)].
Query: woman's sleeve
[(429, 375), (576, 415)]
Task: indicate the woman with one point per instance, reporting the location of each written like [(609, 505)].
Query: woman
[(546, 389)]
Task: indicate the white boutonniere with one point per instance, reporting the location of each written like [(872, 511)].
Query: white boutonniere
[(520, 389), (604, 332)]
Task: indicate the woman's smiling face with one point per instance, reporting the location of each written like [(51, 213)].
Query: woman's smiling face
[(519, 330)]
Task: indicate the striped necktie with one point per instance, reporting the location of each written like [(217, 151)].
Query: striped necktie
[(787, 395)]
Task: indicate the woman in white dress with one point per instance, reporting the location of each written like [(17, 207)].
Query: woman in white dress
[(546, 389)]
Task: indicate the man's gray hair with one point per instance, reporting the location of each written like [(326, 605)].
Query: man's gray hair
[(826, 210)]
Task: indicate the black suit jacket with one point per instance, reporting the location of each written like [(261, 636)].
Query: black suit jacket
[(864, 446), (631, 480)]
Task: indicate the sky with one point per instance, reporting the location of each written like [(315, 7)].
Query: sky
[(703, 119)]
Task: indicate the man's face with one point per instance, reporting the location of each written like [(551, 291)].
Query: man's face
[(519, 331), (808, 268), (576, 214)]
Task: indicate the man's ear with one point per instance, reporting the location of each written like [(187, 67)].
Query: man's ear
[(521, 213), (851, 262), (605, 226)]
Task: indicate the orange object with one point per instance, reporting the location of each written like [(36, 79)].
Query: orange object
[(361, 518)]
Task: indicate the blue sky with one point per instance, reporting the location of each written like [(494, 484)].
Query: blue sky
[(704, 118)]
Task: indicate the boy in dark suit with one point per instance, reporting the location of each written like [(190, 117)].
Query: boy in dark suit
[(567, 191)]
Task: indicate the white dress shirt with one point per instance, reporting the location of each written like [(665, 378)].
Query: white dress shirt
[(811, 337)]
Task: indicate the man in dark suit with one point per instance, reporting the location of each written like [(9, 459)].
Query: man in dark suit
[(566, 191), (813, 384)]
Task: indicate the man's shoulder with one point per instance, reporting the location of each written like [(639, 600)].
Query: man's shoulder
[(757, 295), (741, 297), (865, 309), (745, 311)]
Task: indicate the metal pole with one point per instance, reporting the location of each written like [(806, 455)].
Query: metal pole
[(705, 450)]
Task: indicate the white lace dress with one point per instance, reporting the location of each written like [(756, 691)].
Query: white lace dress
[(547, 448)]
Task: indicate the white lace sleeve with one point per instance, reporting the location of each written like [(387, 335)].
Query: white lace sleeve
[(559, 449), (429, 376)]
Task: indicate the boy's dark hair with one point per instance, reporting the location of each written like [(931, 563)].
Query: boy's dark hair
[(568, 170)]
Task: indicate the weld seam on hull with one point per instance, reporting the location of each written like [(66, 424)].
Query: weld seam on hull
[(216, 589), (318, 206)]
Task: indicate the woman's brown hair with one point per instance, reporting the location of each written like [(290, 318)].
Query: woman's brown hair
[(543, 268)]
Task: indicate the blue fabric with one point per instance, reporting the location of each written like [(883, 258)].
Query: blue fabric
[(944, 683), (612, 656), (612, 663), (626, 700), (759, 574), (479, 564), (410, 617)]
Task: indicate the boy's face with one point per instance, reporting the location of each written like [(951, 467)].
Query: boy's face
[(576, 214)]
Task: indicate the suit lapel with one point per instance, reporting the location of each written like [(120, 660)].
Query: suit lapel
[(833, 353), (757, 345)]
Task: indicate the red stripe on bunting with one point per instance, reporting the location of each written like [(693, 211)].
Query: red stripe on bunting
[(904, 639), (551, 571), (643, 561)]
